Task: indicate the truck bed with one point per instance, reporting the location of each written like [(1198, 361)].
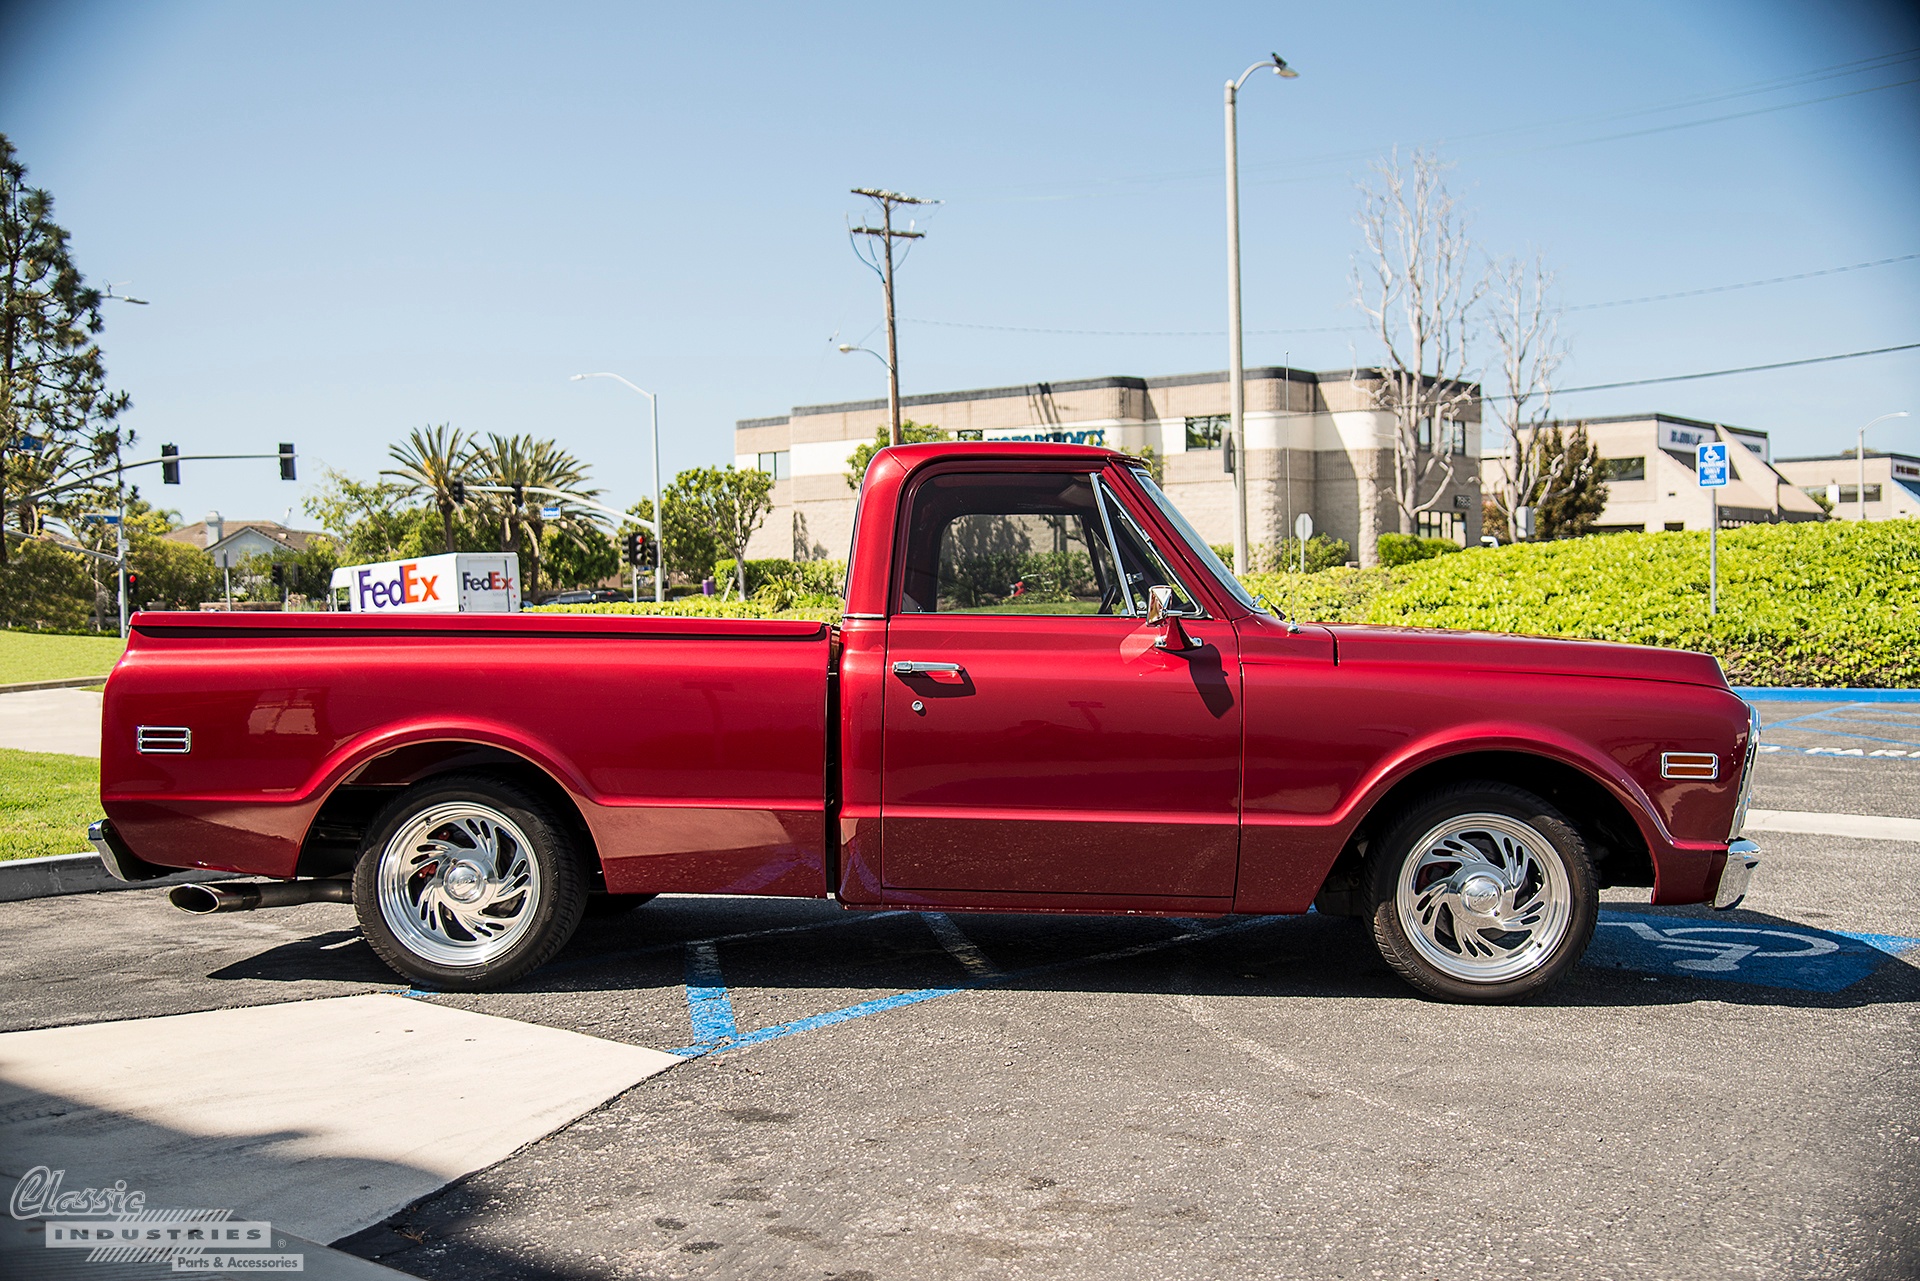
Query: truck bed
[(693, 750)]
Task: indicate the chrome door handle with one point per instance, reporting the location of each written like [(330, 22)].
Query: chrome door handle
[(926, 669)]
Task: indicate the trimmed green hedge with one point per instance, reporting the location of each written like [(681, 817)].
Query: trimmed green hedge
[(1828, 603)]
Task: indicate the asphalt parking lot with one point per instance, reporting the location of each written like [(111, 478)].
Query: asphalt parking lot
[(872, 1096)]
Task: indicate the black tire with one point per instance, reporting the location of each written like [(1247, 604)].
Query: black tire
[(601, 904), (1432, 938), (528, 897)]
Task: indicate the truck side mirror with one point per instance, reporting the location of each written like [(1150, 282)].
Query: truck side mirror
[(1160, 614)]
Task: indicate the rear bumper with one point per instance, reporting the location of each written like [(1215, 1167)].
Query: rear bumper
[(122, 863), (1742, 857)]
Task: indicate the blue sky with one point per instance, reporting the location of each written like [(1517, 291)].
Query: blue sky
[(354, 219)]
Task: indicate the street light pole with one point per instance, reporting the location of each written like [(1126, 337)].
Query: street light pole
[(1237, 373), (1861, 454), (659, 517)]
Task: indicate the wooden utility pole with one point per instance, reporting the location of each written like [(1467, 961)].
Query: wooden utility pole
[(886, 234)]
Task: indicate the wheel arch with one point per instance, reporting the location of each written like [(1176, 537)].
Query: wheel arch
[(333, 837), (1618, 846)]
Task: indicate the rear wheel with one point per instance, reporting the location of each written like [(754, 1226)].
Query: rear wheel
[(1484, 892), (467, 883)]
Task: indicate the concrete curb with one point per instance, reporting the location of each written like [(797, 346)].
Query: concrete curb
[(56, 874), (66, 682), (1784, 694)]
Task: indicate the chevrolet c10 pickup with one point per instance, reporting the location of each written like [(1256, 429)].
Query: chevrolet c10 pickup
[(1046, 694)]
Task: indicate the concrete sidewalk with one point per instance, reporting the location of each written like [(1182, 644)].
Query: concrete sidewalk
[(51, 720)]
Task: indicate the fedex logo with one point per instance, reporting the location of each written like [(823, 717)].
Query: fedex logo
[(493, 581), (408, 586)]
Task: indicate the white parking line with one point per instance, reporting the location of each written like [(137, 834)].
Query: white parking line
[(1868, 827), (959, 946)]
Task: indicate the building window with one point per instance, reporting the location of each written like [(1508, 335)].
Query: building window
[(1851, 493), (1675, 526), (1624, 468), (777, 464), (1207, 431), (1455, 434), (1424, 434), (1443, 524)]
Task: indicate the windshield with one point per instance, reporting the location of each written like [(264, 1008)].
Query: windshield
[(1197, 543)]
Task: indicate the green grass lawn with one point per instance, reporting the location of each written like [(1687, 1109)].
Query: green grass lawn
[(37, 656), (46, 802)]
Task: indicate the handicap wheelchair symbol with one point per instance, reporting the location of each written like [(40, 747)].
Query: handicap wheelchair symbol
[(1724, 955), (1810, 960)]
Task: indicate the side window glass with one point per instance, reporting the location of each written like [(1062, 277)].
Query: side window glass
[(1014, 543)]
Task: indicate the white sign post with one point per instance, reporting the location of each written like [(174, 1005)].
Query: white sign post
[(1302, 531), (1710, 469)]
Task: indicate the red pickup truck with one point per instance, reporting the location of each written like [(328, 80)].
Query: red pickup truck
[(1046, 695)]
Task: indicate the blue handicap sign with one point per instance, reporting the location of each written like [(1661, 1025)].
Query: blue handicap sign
[(1710, 461), (1782, 954)]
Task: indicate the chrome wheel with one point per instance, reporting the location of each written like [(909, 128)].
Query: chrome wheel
[(458, 884), (1484, 898)]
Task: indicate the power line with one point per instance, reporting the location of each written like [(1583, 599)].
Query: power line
[(1722, 373), (1745, 284), (1342, 329)]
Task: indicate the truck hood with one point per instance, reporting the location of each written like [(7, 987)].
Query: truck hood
[(1549, 656)]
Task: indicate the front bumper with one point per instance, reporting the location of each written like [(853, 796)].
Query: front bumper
[(1742, 857)]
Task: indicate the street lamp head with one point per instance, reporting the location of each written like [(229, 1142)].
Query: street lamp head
[(847, 346), (1280, 68)]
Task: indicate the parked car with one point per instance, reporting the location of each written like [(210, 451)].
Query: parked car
[(582, 596), (1046, 695)]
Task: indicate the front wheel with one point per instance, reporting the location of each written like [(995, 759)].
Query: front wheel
[(1483, 892), (467, 883)]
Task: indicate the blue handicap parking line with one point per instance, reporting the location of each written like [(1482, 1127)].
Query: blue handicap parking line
[(1798, 957), (714, 1034), (1781, 694)]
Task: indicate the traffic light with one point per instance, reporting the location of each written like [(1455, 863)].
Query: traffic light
[(133, 582), (286, 461), (633, 546), (279, 575), (457, 490), (519, 493), (169, 471)]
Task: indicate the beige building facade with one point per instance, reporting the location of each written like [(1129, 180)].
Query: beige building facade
[(1892, 484), (1312, 440), (1651, 483)]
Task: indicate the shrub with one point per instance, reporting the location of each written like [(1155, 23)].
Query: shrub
[(1405, 549)]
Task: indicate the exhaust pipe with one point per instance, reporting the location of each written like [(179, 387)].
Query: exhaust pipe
[(247, 896)]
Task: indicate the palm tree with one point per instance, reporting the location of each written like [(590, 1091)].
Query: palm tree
[(432, 459), (524, 528)]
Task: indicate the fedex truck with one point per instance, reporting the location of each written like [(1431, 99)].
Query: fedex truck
[(452, 583)]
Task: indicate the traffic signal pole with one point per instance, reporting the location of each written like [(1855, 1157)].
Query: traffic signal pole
[(168, 460)]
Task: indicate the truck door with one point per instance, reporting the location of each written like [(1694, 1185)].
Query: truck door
[(1036, 740)]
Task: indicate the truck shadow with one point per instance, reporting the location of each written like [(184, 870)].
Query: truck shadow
[(1639, 957)]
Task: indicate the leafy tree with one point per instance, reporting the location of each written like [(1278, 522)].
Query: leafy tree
[(1571, 491), (430, 461), (369, 522), (171, 575), (726, 503), (911, 433), (524, 528), (45, 588), (56, 414), (579, 558)]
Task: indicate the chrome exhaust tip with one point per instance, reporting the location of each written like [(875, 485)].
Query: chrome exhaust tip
[(248, 896)]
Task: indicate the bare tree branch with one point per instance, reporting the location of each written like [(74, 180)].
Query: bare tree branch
[(1526, 332), (1420, 294)]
